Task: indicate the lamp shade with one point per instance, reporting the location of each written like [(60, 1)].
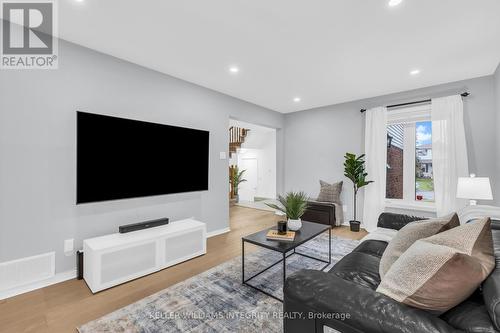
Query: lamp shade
[(477, 188)]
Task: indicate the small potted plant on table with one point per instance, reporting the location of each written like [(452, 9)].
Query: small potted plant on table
[(294, 205), (354, 169)]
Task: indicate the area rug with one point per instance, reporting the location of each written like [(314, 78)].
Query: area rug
[(216, 300)]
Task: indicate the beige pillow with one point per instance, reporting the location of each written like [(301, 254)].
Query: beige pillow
[(330, 192), (439, 272), (409, 234)]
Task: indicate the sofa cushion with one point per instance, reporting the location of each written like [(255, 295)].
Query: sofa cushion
[(491, 286), (412, 232), (330, 192), (439, 272), (359, 268), (381, 234), (396, 221), (470, 316), (373, 247)]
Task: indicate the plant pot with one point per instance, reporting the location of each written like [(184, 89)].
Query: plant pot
[(294, 225), (354, 225)]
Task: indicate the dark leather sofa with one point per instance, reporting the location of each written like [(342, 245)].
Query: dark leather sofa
[(345, 298)]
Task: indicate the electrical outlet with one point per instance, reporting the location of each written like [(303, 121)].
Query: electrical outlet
[(68, 247), (222, 155)]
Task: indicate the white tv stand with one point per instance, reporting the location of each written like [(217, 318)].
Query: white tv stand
[(118, 258)]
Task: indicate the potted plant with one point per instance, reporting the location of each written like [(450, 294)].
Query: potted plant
[(354, 169), (236, 178), (294, 205)]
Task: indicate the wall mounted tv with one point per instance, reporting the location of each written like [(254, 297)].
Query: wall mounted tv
[(122, 158)]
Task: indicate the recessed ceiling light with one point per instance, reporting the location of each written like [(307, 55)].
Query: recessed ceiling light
[(297, 99), (415, 72), (234, 69), (79, 0), (394, 3)]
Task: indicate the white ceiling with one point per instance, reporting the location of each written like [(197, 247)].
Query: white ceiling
[(325, 51)]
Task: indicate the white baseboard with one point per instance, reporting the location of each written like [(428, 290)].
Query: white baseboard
[(64, 276), (59, 277), (218, 232), (68, 275)]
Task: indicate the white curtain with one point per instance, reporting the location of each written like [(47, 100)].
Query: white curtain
[(376, 164), (449, 152)]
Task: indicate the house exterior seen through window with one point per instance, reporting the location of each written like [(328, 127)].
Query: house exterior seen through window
[(424, 183), (394, 182), (409, 156)]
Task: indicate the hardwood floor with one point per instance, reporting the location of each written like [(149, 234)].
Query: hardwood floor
[(64, 306)]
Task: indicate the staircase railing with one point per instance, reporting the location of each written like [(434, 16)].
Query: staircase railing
[(237, 137)]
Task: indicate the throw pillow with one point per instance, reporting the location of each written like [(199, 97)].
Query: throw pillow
[(409, 234), (439, 272), (330, 192)]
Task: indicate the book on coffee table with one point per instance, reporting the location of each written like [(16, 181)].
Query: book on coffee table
[(274, 235)]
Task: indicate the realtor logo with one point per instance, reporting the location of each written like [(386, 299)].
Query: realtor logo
[(27, 35)]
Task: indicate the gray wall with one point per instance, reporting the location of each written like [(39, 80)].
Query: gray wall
[(497, 93), (37, 148), (316, 140)]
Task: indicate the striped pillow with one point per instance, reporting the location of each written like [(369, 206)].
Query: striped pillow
[(330, 192), (411, 233), (439, 272)]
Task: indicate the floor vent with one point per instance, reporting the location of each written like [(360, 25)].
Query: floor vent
[(23, 271)]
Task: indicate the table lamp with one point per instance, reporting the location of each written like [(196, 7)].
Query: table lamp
[(474, 188)]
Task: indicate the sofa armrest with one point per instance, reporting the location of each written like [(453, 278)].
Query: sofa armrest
[(328, 297), (320, 212), (311, 202), (396, 221)]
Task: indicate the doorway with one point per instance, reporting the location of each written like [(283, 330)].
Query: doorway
[(252, 150), (248, 189)]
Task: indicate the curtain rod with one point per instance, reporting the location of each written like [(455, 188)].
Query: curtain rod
[(464, 94)]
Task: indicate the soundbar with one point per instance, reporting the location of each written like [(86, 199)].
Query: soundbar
[(142, 225)]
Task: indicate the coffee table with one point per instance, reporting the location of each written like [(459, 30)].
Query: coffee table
[(308, 231)]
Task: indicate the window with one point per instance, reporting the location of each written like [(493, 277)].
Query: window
[(409, 157), (424, 182)]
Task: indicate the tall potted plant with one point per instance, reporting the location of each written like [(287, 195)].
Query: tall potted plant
[(354, 169), (294, 205), (236, 178)]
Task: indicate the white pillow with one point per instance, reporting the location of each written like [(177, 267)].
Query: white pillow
[(381, 234)]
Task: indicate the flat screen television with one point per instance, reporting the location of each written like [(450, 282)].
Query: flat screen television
[(121, 158)]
